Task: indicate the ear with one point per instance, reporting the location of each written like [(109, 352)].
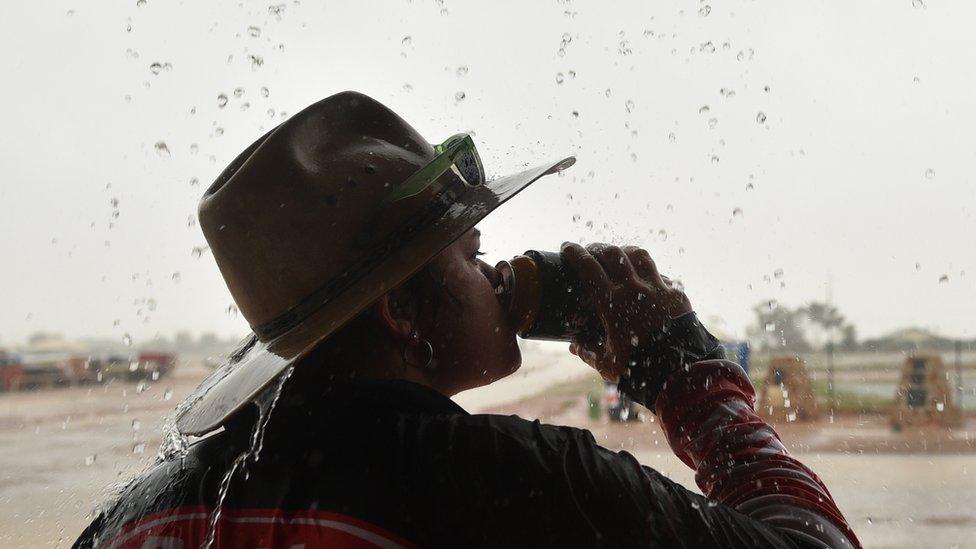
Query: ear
[(391, 320)]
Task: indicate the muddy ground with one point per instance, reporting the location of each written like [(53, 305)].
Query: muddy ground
[(61, 450)]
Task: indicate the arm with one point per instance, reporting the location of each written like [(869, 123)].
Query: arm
[(653, 344), (706, 409)]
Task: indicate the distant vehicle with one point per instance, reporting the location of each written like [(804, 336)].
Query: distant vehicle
[(45, 370), (154, 365), (618, 405), (145, 365), (11, 372)]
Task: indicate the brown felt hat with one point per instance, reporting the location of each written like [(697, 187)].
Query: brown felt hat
[(301, 228)]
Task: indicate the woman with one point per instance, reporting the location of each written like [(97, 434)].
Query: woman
[(348, 244)]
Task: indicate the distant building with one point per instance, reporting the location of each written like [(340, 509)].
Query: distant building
[(909, 339)]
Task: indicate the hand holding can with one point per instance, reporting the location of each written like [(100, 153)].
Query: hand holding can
[(631, 300)]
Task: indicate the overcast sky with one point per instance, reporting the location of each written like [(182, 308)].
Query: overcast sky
[(757, 149)]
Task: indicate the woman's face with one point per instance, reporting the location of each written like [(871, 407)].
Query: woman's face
[(473, 343)]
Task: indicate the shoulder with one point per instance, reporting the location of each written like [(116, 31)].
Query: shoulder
[(505, 438)]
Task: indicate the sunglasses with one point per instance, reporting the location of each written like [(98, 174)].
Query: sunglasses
[(458, 155)]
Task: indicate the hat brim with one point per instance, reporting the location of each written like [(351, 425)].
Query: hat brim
[(233, 386)]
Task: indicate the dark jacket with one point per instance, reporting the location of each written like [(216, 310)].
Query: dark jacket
[(392, 463)]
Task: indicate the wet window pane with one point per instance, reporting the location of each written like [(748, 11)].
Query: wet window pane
[(803, 173)]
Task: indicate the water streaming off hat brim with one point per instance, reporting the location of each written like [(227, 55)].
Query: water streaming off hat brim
[(265, 361)]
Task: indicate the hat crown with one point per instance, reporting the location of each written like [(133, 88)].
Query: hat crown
[(297, 208)]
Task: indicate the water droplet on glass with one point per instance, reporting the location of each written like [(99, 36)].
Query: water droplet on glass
[(238, 92), (750, 186), (197, 251), (167, 394), (712, 122), (256, 61), (156, 67), (245, 105), (916, 80), (769, 327), (221, 101), (265, 92), (672, 138), (944, 279), (559, 78), (276, 10), (254, 31), (917, 4), (707, 47), (161, 148), (459, 96), (737, 212), (461, 71), (406, 40), (760, 117), (176, 277), (929, 173), (629, 105), (139, 448), (740, 56), (140, 3), (194, 148), (89, 460), (136, 425), (218, 131), (126, 340), (715, 159), (703, 109), (141, 387), (705, 10)]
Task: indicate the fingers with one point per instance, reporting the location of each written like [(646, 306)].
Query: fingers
[(645, 266), (591, 274), (614, 261)]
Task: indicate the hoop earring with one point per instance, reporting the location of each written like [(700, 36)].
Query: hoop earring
[(414, 341)]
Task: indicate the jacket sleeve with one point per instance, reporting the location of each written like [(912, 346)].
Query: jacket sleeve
[(706, 407)]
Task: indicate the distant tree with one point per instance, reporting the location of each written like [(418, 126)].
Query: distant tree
[(849, 337), (778, 327), (38, 337), (830, 324), (208, 340), (183, 340)]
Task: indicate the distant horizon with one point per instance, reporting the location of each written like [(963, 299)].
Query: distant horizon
[(232, 339)]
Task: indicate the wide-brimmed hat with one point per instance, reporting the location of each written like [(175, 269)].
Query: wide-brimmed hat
[(318, 219)]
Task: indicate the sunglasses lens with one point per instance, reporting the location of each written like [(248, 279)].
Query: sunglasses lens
[(469, 168)]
